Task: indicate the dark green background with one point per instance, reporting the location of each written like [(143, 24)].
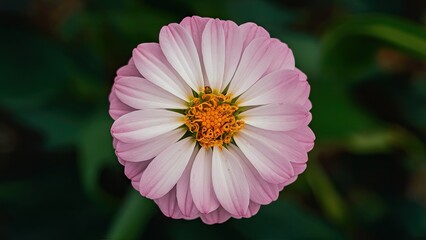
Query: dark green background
[(366, 63)]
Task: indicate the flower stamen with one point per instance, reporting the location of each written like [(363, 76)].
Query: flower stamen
[(211, 117)]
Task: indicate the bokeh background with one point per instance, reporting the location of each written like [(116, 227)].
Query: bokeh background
[(366, 63)]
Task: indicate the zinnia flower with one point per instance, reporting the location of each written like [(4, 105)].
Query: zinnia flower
[(212, 121)]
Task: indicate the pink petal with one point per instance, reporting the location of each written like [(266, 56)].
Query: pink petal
[(169, 206), (233, 51), (276, 116), (179, 49), (229, 182), (116, 107), (272, 88), (165, 170), (195, 27), (201, 182), (134, 171), (153, 65), (250, 31), (213, 49), (264, 154), (261, 191), (254, 62), (136, 152), (298, 169), (283, 60), (304, 135), (129, 70), (220, 215), (183, 192), (140, 93), (144, 124), (253, 209)]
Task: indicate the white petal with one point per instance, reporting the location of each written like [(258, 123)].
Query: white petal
[(254, 62), (153, 65), (136, 152), (144, 124), (264, 154), (140, 93), (213, 49), (179, 49), (233, 50), (164, 171), (261, 191), (272, 88), (276, 116), (229, 182), (183, 192), (201, 182)]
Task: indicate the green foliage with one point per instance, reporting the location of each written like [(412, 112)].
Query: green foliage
[(349, 48)]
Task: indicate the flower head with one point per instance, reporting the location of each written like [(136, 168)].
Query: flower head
[(212, 122)]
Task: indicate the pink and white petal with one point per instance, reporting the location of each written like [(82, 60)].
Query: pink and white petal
[(271, 88), (220, 215), (201, 182), (253, 209), (233, 51), (254, 62), (304, 135), (276, 116), (164, 171), (134, 171), (298, 169), (183, 191), (289, 149), (195, 26), (153, 65), (250, 31), (169, 206), (213, 51), (116, 107), (229, 182), (283, 58), (261, 191), (129, 70), (179, 49), (137, 152), (140, 93), (264, 155), (144, 124)]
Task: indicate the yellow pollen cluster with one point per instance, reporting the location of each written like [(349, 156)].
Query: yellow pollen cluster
[(212, 119)]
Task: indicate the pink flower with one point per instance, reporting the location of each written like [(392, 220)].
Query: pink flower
[(212, 122)]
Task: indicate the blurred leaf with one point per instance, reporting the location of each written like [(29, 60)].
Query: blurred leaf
[(349, 47), (34, 69), (285, 220), (326, 194), (335, 116), (132, 217), (306, 50), (59, 124), (95, 152)]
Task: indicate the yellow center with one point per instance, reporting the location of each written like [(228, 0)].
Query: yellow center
[(211, 118)]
